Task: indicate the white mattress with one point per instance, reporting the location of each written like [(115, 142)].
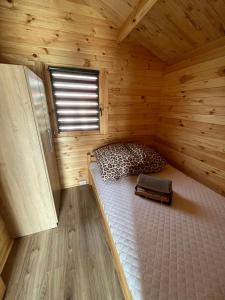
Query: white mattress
[(175, 252)]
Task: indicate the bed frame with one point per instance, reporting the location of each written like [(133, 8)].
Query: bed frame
[(112, 246)]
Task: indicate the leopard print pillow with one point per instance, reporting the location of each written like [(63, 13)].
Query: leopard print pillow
[(116, 161), (119, 160), (151, 160)]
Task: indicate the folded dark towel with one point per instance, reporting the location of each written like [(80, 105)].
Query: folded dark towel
[(155, 184)]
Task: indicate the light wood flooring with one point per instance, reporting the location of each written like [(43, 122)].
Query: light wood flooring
[(70, 262)]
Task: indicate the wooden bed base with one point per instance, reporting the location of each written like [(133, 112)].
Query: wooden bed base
[(112, 246)]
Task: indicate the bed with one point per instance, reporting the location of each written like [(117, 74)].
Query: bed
[(164, 252)]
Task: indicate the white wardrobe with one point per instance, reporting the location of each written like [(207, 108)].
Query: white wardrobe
[(29, 181)]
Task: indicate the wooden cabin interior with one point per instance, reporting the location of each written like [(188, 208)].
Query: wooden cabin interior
[(152, 73)]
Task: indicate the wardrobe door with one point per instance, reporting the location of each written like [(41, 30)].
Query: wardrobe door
[(27, 203), (41, 113), (50, 154)]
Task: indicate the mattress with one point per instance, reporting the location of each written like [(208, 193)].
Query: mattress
[(167, 252)]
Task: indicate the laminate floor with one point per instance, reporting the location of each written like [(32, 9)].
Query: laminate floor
[(71, 262)]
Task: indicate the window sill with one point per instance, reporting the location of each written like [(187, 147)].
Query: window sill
[(77, 133)]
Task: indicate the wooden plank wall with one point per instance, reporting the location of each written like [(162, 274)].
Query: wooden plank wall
[(191, 128), (72, 34)]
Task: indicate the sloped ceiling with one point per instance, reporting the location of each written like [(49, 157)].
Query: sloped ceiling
[(171, 28), (116, 11)]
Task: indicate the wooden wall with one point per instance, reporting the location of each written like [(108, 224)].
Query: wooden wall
[(72, 34), (191, 128)]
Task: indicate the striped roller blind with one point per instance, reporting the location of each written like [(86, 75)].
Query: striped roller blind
[(76, 98)]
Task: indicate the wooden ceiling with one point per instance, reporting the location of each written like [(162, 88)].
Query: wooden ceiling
[(171, 28)]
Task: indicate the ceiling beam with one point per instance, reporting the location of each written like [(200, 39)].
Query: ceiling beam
[(138, 13)]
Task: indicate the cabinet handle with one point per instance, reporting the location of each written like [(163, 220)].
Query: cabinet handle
[(100, 110), (50, 139)]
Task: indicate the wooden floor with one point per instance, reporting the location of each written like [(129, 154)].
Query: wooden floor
[(72, 261)]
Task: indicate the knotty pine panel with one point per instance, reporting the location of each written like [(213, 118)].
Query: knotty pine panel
[(73, 34), (171, 29), (191, 119)]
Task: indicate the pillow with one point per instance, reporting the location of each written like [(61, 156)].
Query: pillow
[(119, 160), (116, 161), (152, 161)]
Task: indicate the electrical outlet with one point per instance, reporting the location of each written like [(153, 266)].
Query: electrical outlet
[(82, 182)]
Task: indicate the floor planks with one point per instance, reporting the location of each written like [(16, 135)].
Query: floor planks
[(71, 262)]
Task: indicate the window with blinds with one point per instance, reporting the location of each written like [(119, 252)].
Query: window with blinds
[(76, 98)]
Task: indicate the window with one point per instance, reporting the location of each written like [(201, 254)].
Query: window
[(76, 98)]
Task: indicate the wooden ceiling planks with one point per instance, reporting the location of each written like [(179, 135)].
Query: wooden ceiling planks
[(177, 27), (115, 11), (137, 14), (171, 28)]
